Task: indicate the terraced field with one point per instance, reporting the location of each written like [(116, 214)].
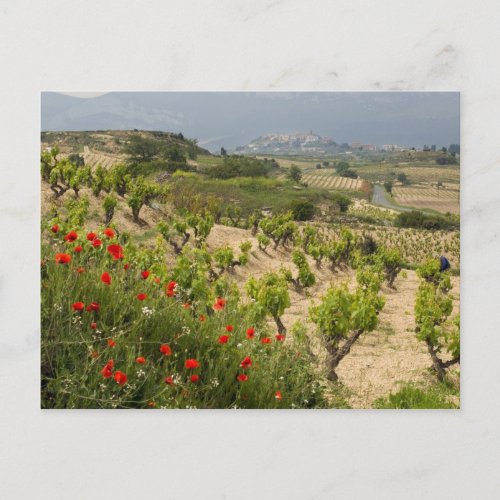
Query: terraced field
[(329, 181), (443, 200), (93, 158)]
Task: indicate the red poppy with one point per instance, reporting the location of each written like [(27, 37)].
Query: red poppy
[(91, 236), (107, 371), (78, 306), (63, 258), (202, 318), (145, 275), (186, 305), (171, 285), (191, 364), (246, 363), (93, 325), (54, 228), (157, 280), (142, 296), (71, 236), (223, 339), (106, 278), (165, 349), (151, 404), (219, 304), (280, 337), (80, 270), (109, 232), (169, 380), (141, 360), (117, 252), (250, 333), (242, 377), (229, 328), (97, 243), (170, 293), (78, 249), (126, 266), (266, 340), (277, 395), (120, 377), (93, 306), (194, 378), (111, 343)]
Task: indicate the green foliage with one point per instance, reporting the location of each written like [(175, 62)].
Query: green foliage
[(351, 174), (270, 292), (303, 210), (142, 193), (343, 316), (109, 205), (263, 240), (280, 228), (238, 166), (412, 397), (295, 173), (417, 220), (120, 179), (391, 261), (341, 166), (388, 186), (306, 277), (339, 251), (78, 210), (141, 149), (341, 201)]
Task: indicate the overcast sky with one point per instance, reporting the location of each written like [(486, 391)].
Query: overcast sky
[(232, 119)]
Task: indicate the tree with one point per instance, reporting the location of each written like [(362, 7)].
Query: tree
[(351, 174), (141, 149), (341, 201), (175, 158), (295, 173), (270, 292), (223, 152), (303, 210), (342, 317), (341, 166), (403, 178)]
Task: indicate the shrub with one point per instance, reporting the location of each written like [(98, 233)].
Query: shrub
[(303, 210)]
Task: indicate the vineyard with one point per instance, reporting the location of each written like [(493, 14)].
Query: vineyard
[(171, 295), (445, 199)]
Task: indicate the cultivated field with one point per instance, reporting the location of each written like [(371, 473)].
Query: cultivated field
[(445, 199)]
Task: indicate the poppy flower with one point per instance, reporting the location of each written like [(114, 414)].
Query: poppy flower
[(111, 343), (78, 306), (190, 364), (71, 236), (151, 404), (223, 339), (171, 285), (266, 340), (165, 349), (157, 280), (277, 394), (106, 278), (120, 377), (109, 232), (93, 325), (169, 380), (80, 270), (145, 275), (202, 318), (194, 378), (219, 304), (91, 236), (141, 360), (78, 249), (63, 258), (93, 306), (117, 253), (242, 377), (280, 337), (96, 243), (107, 371), (126, 266), (170, 293), (229, 328), (246, 363), (186, 305), (250, 333), (55, 228), (142, 296)]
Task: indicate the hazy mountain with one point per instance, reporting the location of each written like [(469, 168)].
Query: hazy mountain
[(232, 119)]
